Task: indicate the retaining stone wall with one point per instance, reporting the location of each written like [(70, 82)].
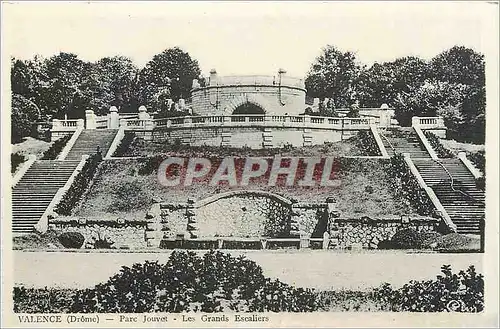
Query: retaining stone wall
[(252, 137), (126, 236), (368, 234)]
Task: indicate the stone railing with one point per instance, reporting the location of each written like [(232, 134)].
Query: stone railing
[(23, 169), (43, 222), (425, 142), (101, 122), (432, 196), (116, 142), (304, 121), (379, 142), (66, 125), (428, 122), (470, 166), (70, 143)]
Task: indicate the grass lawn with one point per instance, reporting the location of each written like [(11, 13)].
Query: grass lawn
[(348, 147), (456, 147), (31, 145), (120, 191)]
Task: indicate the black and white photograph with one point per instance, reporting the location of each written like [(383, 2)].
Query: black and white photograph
[(243, 164)]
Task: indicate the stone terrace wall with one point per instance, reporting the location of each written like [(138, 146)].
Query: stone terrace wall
[(367, 233), (253, 137), (129, 235)]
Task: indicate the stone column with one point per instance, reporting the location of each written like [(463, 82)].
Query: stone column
[(182, 104), (113, 118), (90, 119)]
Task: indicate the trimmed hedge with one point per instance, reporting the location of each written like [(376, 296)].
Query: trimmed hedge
[(367, 143), (440, 150), (462, 292), (215, 282), (125, 143), (15, 161), (478, 159), (406, 186), (56, 148), (79, 186), (72, 240)]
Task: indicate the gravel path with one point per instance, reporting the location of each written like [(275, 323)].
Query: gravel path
[(315, 269)]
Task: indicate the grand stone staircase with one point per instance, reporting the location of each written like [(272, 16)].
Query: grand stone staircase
[(403, 140), (89, 140), (35, 190), (456, 189)]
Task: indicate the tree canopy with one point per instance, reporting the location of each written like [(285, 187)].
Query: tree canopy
[(65, 85)]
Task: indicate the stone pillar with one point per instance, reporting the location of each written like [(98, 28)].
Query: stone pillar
[(113, 118), (192, 227), (315, 106), (90, 119), (169, 103), (123, 123), (182, 104), (213, 78), (415, 121), (143, 113)]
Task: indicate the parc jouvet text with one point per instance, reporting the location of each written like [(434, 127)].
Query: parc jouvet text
[(245, 171), (81, 319)]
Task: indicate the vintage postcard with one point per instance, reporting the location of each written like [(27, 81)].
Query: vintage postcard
[(250, 164)]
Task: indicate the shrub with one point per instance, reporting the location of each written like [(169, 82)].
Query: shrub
[(440, 150), (79, 186), (462, 292), (73, 240), (150, 165), (212, 283), (15, 161), (42, 300), (56, 148), (367, 144), (407, 239), (125, 143), (406, 186), (478, 159)]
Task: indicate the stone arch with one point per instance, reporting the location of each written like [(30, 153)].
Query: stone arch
[(253, 99), (244, 214)]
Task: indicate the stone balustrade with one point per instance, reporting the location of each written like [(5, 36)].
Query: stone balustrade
[(428, 122), (250, 121)]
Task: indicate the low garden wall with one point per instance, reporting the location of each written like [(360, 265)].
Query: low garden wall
[(104, 233), (368, 233)]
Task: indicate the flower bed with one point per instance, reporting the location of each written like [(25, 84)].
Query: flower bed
[(79, 186), (438, 147), (367, 143), (16, 159), (406, 186), (56, 148)]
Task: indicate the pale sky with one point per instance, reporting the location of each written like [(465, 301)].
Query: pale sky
[(246, 38)]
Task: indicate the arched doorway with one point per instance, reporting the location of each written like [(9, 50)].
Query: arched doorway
[(249, 108)]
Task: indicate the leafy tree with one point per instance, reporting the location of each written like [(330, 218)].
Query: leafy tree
[(116, 84), (392, 81), (24, 113), (169, 73), (333, 75), (459, 65), (64, 94)]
